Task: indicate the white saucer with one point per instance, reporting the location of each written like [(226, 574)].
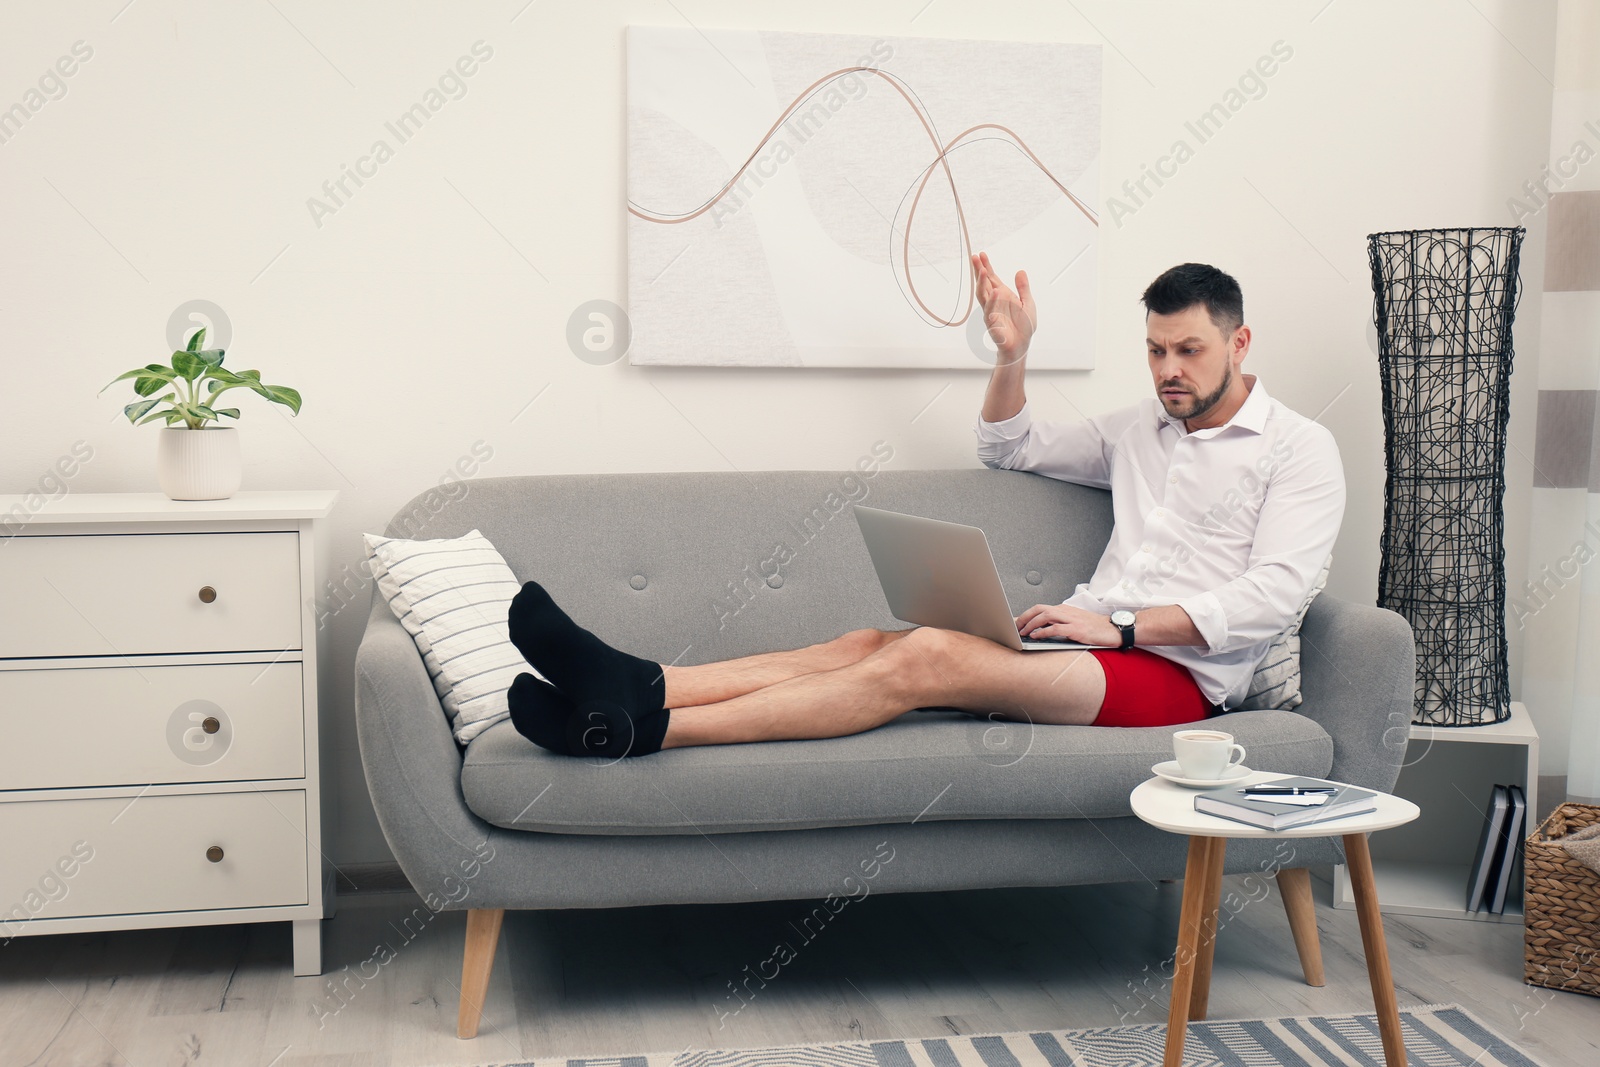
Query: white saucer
[(1173, 773)]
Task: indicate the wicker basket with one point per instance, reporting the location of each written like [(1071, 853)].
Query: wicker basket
[(1561, 907)]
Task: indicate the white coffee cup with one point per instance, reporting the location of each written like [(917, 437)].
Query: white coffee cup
[(1206, 755)]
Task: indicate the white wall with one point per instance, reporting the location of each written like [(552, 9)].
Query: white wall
[(426, 312)]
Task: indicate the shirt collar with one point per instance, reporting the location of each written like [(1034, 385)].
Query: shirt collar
[(1252, 414)]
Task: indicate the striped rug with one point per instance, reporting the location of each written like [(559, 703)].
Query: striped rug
[(1440, 1035)]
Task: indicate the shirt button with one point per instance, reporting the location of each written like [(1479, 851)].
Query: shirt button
[(1159, 512), (1147, 549), (1173, 479)]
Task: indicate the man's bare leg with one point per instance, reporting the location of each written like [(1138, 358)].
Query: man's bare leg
[(920, 668), (710, 683)]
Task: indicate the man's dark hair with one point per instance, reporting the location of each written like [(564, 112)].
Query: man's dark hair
[(1189, 284)]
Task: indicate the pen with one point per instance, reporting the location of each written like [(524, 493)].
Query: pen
[(1286, 790)]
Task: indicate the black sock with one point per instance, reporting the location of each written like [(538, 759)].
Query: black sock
[(602, 728), (578, 663), (540, 712)]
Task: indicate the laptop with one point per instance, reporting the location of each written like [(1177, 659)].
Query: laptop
[(942, 574)]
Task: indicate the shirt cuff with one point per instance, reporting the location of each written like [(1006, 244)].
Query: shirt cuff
[(1205, 611), (1006, 429)]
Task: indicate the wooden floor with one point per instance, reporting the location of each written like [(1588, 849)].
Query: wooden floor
[(656, 979)]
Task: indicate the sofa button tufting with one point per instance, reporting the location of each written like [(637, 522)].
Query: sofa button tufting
[(1034, 577), (775, 581), (638, 581)]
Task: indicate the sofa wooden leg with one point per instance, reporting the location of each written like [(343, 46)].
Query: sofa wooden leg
[(1295, 885), (477, 962)]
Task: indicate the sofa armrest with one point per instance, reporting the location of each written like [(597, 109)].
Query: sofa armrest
[(1358, 668), (411, 760)]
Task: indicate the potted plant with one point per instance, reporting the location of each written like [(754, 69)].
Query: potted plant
[(197, 459)]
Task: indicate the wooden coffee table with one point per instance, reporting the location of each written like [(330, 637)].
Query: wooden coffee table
[(1171, 807)]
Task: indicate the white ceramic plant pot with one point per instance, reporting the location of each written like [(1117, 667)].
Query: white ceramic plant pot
[(199, 464)]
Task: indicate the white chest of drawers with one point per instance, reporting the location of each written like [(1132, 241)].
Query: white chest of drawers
[(159, 742)]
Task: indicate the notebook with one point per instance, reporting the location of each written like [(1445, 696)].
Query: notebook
[(1230, 802), (1506, 856), (1495, 817)]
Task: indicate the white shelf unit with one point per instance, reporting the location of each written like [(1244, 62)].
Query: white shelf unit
[(158, 696), (1422, 868)]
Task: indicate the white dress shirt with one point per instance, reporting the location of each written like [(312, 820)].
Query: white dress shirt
[(1230, 523)]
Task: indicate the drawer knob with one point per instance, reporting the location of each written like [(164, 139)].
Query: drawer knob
[(211, 725), (214, 853), (207, 594)]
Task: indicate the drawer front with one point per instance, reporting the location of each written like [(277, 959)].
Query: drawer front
[(127, 594), (96, 726), (66, 858)]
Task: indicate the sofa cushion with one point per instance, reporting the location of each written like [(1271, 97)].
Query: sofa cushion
[(452, 596), (1276, 682), (936, 764)]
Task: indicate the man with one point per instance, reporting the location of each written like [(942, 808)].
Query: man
[(1226, 505)]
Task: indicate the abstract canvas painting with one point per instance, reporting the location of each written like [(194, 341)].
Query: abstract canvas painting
[(801, 199)]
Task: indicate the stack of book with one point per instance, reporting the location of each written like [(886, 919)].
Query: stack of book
[(1505, 824), (1285, 803)]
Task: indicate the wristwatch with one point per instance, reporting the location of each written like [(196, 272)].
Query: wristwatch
[(1123, 620)]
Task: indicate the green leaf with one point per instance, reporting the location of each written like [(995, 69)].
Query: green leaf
[(201, 409), (197, 340), (188, 365), (137, 409), (146, 386), (152, 370), (154, 415), (211, 357), (232, 413), (253, 375), (226, 376), (282, 394), (278, 394)]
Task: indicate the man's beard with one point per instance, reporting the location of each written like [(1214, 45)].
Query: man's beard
[(1204, 404)]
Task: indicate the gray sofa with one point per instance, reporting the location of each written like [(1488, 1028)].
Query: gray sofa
[(688, 568)]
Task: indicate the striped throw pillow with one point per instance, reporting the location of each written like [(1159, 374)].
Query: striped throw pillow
[(452, 596), (1276, 683)]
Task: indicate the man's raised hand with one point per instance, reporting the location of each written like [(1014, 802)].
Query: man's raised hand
[(1008, 316)]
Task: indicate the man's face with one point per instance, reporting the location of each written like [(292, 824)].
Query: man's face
[(1191, 362)]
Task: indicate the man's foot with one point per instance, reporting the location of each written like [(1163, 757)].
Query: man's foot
[(590, 672), (540, 712), (601, 728), (549, 718), (577, 662)]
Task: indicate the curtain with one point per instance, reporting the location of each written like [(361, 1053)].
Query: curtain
[(1557, 607)]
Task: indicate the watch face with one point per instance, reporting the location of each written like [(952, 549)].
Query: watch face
[(1122, 618)]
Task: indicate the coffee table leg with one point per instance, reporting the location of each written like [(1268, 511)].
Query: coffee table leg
[(1359, 860), (1183, 965), (1200, 995)]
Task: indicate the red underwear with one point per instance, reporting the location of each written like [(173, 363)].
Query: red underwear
[(1144, 689)]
